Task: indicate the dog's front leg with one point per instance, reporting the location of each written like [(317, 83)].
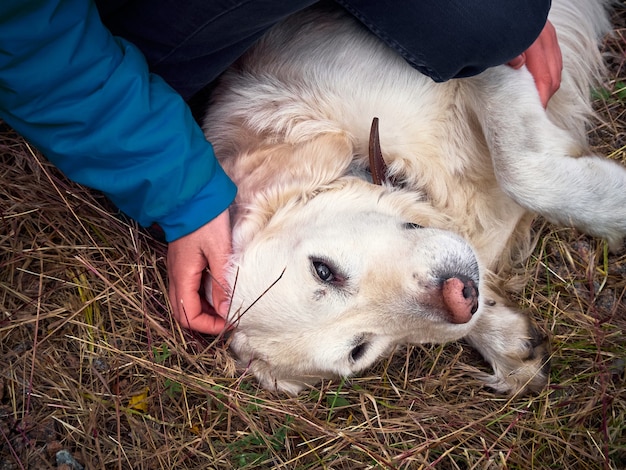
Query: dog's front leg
[(534, 164), (516, 349)]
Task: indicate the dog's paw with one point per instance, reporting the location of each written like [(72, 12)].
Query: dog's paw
[(515, 347), (524, 368)]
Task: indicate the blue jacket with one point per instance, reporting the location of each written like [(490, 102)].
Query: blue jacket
[(87, 101)]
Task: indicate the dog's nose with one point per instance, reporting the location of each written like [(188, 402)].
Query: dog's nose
[(460, 296)]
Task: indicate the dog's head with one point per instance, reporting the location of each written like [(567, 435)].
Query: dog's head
[(330, 284)]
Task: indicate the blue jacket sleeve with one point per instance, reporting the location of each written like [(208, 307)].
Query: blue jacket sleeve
[(88, 102)]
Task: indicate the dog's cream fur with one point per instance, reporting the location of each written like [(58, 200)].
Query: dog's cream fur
[(472, 159)]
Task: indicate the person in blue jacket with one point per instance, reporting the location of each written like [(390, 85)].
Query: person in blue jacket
[(102, 89)]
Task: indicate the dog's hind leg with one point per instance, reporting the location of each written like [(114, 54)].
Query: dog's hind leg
[(534, 164), (516, 349)]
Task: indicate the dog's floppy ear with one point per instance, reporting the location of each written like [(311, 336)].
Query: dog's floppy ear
[(302, 166), (273, 176)]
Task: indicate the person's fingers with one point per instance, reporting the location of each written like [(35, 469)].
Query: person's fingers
[(518, 62), (189, 310), (184, 298), (218, 259), (545, 62), (187, 260), (204, 322), (220, 297)]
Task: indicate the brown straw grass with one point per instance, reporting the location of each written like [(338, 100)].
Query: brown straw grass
[(92, 364)]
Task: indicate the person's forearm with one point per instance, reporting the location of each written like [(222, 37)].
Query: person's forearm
[(88, 102)]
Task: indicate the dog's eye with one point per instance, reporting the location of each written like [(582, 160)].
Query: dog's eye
[(358, 351), (323, 271), (411, 225)]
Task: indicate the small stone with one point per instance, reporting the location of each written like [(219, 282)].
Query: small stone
[(65, 461)]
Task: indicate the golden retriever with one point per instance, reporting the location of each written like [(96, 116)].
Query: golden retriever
[(331, 271)]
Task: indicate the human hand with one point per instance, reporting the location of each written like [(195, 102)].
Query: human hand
[(544, 61), (187, 258)]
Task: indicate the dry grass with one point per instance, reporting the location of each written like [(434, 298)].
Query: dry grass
[(91, 363)]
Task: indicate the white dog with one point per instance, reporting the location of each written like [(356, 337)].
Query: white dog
[(331, 271)]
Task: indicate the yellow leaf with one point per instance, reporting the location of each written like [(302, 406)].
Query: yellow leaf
[(139, 402)]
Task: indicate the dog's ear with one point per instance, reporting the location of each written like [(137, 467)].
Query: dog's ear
[(273, 176), (302, 166)]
